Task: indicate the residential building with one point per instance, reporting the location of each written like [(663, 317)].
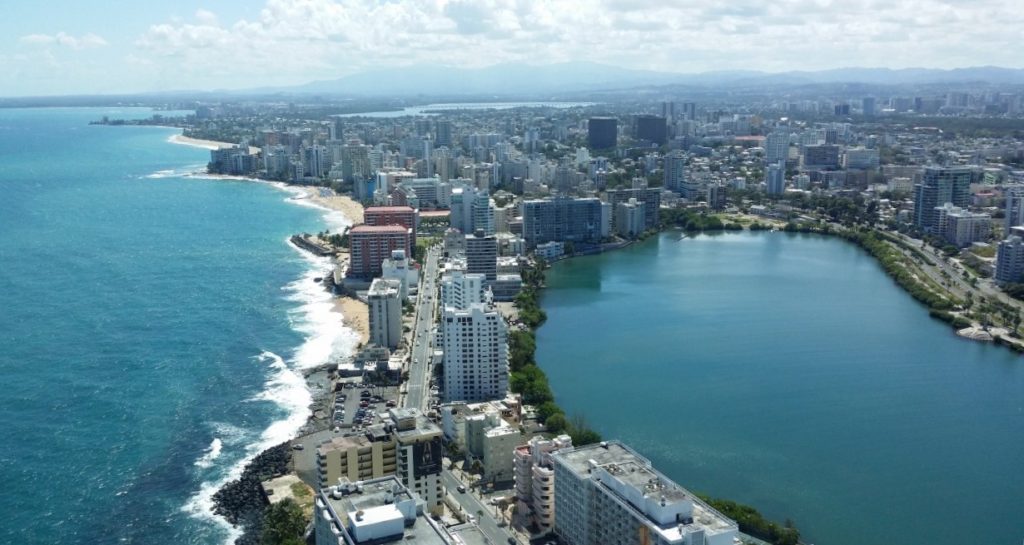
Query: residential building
[(393, 215), (960, 227), (776, 147), (486, 432), (535, 479), (650, 198), (940, 185), (482, 255), (399, 268), (475, 344), (775, 179), (385, 308), (407, 445), (355, 458), (630, 218), (419, 453), (563, 219), (607, 493), (861, 158), (675, 172), (602, 132), (459, 290), (1014, 207), (371, 245), (1010, 260), (375, 512)]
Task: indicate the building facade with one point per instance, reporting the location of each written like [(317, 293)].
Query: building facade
[(475, 344), (562, 219), (385, 311), (370, 246)]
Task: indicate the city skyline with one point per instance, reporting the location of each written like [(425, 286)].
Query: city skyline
[(194, 45)]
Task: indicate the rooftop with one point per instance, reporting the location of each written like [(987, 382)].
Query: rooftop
[(653, 498), (378, 229), (387, 209), (383, 511)]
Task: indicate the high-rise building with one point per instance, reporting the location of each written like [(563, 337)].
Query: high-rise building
[(1010, 260), (443, 132), (675, 171), (821, 156), (602, 132), (405, 216), (938, 186), (868, 106), (650, 197), (405, 444), (563, 219), (690, 111), (535, 479), (629, 218), (1014, 207), (861, 158), (651, 128), (482, 255), (371, 245), (460, 290), (607, 493), (776, 147), (668, 111), (482, 208), (775, 179), (475, 343), (385, 309)]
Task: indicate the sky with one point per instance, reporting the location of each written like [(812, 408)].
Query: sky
[(64, 47)]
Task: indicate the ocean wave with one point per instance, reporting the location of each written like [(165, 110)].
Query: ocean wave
[(325, 331), (212, 453), (287, 389), (184, 172)]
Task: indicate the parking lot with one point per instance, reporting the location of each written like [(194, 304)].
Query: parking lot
[(357, 405)]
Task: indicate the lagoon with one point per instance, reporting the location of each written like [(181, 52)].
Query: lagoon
[(789, 372)]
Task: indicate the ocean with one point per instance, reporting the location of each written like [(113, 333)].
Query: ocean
[(790, 373), (153, 327)]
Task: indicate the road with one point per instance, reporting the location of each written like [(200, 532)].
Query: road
[(472, 505), (418, 386)]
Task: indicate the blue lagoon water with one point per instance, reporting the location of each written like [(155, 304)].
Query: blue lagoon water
[(789, 372), (151, 328)]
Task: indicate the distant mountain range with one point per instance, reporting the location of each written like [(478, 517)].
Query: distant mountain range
[(520, 79)]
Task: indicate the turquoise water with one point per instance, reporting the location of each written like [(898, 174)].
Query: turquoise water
[(788, 372), (150, 327)]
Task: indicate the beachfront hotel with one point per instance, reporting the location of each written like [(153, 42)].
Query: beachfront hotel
[(371, 245), (607, 493)]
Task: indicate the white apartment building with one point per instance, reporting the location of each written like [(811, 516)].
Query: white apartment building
[(607, 493), (385, 309), (475, 344)]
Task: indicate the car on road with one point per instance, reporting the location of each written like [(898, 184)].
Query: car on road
[(298, 446), (462, 488)]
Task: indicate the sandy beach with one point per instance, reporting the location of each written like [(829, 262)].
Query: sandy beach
[(329, 199), (356, 315), (205, 144)]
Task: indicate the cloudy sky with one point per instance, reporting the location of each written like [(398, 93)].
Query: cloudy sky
[(52, 47)]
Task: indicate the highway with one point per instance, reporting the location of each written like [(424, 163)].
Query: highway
[(472, 505), (418, 386)]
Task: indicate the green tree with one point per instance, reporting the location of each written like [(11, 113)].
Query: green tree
[(283, 523)]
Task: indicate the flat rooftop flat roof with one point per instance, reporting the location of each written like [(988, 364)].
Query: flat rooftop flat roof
[(384, 493)]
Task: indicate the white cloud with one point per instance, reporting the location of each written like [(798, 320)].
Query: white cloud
[(64, 39)]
